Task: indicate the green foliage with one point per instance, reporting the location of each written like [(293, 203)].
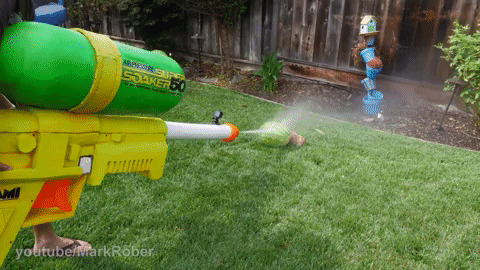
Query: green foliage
[(227, 11), (233, 11), (270, 72), (463, 55), (154, 21), (81, 12)]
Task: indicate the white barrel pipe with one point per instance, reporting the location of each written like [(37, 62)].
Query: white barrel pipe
[(197, 131)]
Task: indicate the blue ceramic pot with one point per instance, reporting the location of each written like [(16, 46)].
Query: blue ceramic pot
[(373, 102), (373, 72), (368, 54), (369, 84)]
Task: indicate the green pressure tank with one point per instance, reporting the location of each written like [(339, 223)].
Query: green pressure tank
[(72, 69)]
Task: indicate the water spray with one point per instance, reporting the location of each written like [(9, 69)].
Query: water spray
[(275, 133), (284, 128), (256, 131)]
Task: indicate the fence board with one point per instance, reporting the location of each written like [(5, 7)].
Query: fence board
[(308, 35), (406, 37), (275, 19), (390, 26), (441, 68), (207, 42), (303, 30), (237, 40), (369, 7), (476, 18), (335, 22), (433, 56), (255, 53), (215, 41), (285, 27), (268, 27), (297, 28), (467, 11), (349, 34), (245, 38), (194, 27), (321, 29)]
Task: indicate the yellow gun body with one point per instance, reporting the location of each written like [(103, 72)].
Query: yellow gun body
[(63, 151)]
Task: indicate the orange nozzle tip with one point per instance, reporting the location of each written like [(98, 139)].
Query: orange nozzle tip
[(234, 134)]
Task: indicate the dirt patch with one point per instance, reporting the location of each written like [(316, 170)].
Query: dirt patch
[(402, 112)]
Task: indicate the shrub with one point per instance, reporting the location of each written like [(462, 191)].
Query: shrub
[(270, 71), (463, 55)]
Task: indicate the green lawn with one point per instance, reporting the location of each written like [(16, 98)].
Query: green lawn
[(351, 198)]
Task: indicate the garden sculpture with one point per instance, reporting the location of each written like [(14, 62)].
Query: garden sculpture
[(366, 50)]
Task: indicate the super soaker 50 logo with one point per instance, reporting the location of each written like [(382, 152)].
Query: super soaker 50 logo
[(145, 76)]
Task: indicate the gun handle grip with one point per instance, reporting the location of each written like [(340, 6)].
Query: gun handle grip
[(54, 194), (16, 199), (57, 200)]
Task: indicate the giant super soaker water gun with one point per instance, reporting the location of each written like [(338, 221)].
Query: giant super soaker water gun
[(73, 78)]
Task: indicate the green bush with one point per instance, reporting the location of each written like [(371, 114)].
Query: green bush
[(270, 72), (463, 55)]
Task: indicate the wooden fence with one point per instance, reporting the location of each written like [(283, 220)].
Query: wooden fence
[(110, 24), (322, 33)]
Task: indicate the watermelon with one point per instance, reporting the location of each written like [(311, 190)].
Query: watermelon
[(275, 134)]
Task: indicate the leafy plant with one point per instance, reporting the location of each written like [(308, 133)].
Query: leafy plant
[(270, 71), (463, 55)]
